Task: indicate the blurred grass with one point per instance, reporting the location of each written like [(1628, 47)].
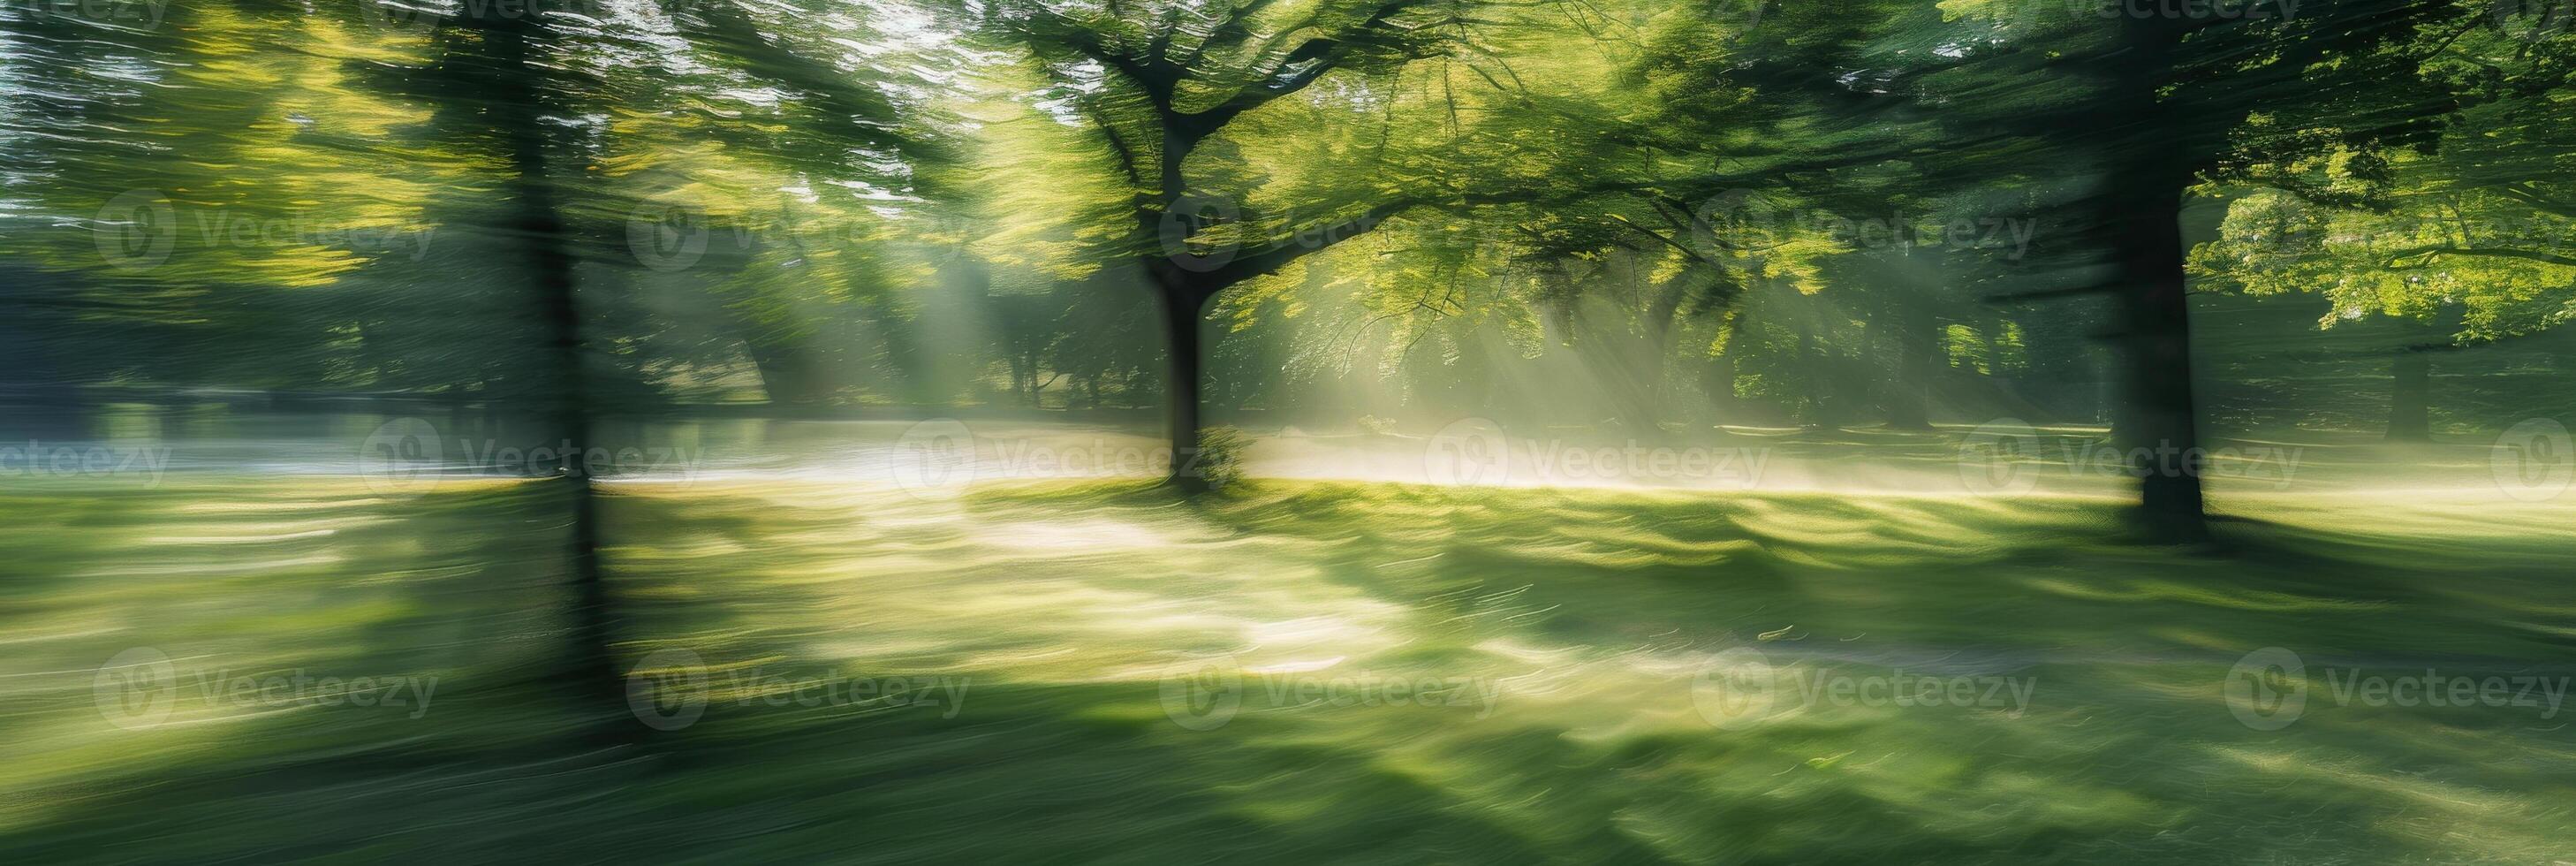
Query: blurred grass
[(1061, 608)]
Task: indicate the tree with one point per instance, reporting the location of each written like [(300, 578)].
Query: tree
[(2152, 99), (2470, 238), (1251, 136)]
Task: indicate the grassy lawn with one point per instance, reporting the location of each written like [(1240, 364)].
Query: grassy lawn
[(1301, 670)]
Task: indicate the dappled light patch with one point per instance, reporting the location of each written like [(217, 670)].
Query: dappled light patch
[(1515, 673)]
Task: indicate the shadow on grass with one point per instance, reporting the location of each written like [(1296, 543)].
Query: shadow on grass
[(1064, 613)]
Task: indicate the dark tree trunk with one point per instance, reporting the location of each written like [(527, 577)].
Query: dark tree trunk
[(2410, 417), (1911, 332), (1722, 369), (40, 396), (535, 226), (2162, 423), (1181, 320), (1823, 401), (1719, 381), (1909, 394), (787, 376), (2141, 218)]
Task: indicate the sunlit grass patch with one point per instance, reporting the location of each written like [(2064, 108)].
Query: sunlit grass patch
[(1519, 673)]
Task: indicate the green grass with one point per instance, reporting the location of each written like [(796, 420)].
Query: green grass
[(1582, 620)]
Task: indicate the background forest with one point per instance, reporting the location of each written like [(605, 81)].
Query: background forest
[(1576, 214)]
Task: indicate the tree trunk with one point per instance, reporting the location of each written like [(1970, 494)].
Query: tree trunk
[(1719, 381), (787, 376), (2410, 416), (2141, 211), (1909, 396), (535, 225), (2162, 423), (1823, 403), (1912, 332), (1181, 320)]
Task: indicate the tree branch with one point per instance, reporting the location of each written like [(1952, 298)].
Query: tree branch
[(2490, 252)]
